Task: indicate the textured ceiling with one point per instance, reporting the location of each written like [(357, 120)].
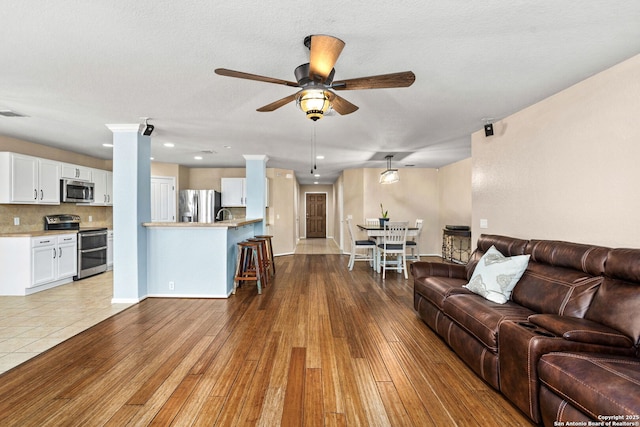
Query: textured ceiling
[(73, 65)]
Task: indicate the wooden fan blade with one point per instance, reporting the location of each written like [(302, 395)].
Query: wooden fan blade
[(403, 79), (248, 76), (277, 104), (341, 105), (325, 51)]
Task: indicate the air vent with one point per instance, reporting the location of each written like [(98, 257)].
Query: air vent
[(9, 113)]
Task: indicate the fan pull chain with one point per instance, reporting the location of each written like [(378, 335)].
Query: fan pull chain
[(314, 147), (311, 150)]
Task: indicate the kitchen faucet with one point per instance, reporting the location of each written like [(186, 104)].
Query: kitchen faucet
[(220, 215)]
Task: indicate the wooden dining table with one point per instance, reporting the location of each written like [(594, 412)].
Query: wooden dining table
[(377, 232)]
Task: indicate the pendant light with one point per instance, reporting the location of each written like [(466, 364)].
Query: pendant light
[(390, 175)]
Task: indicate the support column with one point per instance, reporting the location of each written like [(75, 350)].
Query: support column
[(256, 178), (131, 207)]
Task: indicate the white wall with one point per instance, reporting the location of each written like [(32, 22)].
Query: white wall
[(565, 168)]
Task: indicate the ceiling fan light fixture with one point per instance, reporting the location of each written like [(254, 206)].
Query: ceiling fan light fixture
[(390, 175), (314, 103)]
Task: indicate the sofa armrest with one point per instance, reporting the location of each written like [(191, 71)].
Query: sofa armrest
[(425, 269), (581, 330)]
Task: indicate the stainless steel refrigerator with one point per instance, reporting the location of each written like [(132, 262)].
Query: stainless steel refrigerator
[(199, 205)]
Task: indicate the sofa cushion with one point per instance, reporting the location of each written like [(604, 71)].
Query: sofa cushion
[(581, 330), (495, 275), (435, 289), (617, 302), (617, 305), (576, 256), (597, 384), (555, 290), (482, 318), (508, 246)]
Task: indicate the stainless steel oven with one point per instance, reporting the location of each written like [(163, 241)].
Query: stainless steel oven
[(92, 252), (92, 244)]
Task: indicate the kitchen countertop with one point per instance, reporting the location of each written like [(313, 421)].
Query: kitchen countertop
[(221, 224), (38, 233)]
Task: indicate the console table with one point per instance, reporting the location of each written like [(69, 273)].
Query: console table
[(456, 245)]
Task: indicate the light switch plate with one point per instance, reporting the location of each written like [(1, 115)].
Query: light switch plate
[(484, 223), (16, 220)]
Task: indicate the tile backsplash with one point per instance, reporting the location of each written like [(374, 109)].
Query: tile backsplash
[(32, 216)]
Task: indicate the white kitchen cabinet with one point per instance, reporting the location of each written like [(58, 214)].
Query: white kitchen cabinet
[(82, 173), (67, 258), (234, 192), (103, 187), (32, 264), (53, 258), (29, 180), (109, 188), (43, 260), (109, 249)]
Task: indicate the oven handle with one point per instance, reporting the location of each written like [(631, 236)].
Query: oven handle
[(96, 233), (86, 251)]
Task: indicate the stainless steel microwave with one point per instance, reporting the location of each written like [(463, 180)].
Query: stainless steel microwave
[(74, 191)]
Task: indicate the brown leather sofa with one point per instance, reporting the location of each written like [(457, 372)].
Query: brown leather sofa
[(573, 299)]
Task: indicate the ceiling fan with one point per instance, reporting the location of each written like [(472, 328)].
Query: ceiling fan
[(315, 79)]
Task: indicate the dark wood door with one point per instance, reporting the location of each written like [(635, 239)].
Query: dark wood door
[(316, 215)]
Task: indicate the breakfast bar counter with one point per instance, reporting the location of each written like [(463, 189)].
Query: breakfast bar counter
[(219, 224), (195, 260)]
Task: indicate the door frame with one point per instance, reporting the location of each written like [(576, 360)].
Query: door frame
[(326, 213)]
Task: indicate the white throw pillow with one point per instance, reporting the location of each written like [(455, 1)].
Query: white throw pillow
[(495, 275)]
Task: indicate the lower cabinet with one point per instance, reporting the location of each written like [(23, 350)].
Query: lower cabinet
[(53, 258), (33, 264)]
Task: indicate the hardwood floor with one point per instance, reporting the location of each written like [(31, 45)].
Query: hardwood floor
[(321, 346)]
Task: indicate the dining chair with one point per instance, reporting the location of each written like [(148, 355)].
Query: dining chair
[(374, 222), (368, 245), (394, 242), (414, 244)]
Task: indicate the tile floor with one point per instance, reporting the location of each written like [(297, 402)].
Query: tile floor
[(32, 324), (317, 246)]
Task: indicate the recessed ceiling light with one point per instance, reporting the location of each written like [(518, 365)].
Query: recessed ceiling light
[(320, 157), (151, 158), (317, 175), (316, 182), (107, 145), (198, 157), (168, 144)]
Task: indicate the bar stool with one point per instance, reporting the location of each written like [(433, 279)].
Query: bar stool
[(269, 252), (248, 267), (263, 258)]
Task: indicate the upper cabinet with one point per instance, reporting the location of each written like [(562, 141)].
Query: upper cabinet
[(234, 192), (29, 180), (81, 173), (103, 187)]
